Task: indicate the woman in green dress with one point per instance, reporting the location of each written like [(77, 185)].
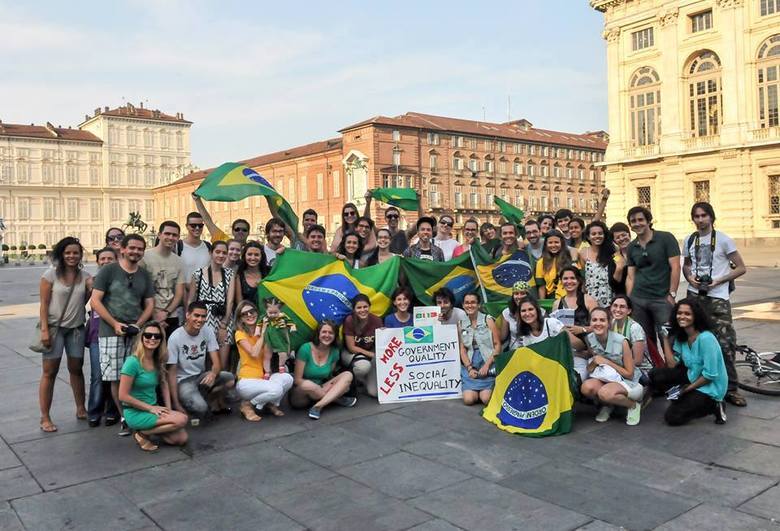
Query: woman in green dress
[(140, 375)]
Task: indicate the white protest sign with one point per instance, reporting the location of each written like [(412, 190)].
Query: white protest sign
[(417, 363), (426, 315), (564, 315)]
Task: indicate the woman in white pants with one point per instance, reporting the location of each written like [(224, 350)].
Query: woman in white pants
[(257, 388)]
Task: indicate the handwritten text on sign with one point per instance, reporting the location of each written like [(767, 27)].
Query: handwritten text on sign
[(417, 363)]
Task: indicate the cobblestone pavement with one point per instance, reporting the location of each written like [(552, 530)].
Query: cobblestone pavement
[(432, 466)]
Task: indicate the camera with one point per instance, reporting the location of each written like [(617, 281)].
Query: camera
[(704, 282), (130, 330)]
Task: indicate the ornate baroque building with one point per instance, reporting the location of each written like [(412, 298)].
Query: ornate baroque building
[(57, 181), (458, 165), (693, 111)]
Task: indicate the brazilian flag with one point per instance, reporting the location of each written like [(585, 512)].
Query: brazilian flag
[(498, 276), (403, 198), (510, 212), (314, 287), (233, 182), (534, 390), (425, 277)]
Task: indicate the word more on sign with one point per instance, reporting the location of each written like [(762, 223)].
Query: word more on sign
[(417, 363)]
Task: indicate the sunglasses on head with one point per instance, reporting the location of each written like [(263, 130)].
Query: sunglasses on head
[(152, 335), (195, 225)]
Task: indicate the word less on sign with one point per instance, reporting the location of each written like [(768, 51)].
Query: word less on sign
[(417, 363)]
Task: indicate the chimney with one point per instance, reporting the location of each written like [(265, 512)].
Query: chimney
[(141, 105), (86, 117), (105, 109), (97, 111)]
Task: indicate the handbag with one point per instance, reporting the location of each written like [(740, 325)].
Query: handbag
[(36, 345)]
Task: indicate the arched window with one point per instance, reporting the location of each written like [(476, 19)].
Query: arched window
[(704, 96), (645, 102), (769, 81)]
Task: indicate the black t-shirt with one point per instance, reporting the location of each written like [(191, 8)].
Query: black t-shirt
[(398, 243)]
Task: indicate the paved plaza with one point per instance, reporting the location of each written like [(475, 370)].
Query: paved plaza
[(424, 466)]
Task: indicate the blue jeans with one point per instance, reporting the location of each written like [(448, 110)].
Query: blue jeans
[(99, 391)]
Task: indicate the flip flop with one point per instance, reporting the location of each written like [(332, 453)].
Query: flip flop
[(145, 444), (48, 427)]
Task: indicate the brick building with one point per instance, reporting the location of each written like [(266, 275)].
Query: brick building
[(458, 165)]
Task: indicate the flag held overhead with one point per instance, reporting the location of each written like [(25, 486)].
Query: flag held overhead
[(403, 198)]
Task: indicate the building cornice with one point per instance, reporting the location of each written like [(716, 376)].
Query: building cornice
[(726, 4), (668, 17), (611, 34), (604, 5)]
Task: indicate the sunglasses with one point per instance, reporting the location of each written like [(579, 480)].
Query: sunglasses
[(445, 222), (248, 313), (239, 229), (392, 216), (150, 335), (195, 225), (350, 214), (115, 238)]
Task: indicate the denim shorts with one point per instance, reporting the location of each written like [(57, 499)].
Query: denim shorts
[(71, 340)]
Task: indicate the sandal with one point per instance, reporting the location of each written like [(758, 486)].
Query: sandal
[(736, 399), (145, 444), (275, 411), (248, 412), (48, 426)]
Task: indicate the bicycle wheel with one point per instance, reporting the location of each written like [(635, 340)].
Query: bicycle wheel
[(764, 385)]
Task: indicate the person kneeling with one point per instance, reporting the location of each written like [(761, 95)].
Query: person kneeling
[(694, 378), (360, 342), (479, 345), (257, 386), (138, 382), (315, 378), (193, 389), (613, 377)]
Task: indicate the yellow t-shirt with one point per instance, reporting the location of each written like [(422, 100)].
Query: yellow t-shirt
[(549, 278), (219, 236), (248, 366)]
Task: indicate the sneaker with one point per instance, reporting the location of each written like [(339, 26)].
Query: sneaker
[(124, 430), (604, 413), (94, 423), (633, 414), (314, 413), (720, 413), (110, 421), (346, 401)]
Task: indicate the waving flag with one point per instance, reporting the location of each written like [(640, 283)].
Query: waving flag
[(533, 394), (403, 198), (510, 212), (496, 277), (315, 287), (425, 277), (233, 182)]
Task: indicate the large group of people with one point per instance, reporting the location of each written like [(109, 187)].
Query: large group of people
[(177, 334)]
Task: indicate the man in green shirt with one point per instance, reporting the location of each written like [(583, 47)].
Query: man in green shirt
[(653, 271)]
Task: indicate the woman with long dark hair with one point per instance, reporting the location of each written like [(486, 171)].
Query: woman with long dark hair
[(603, 263), (555, 256), (114, 237), (534, 327), (479, 346), (64, 290), (141, 374), (695, 372), (382, 251), (250, 272), (360, 343), (349, 217), (511, 315), (351, 249), (214, 285)]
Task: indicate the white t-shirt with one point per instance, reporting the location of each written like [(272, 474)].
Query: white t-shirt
[(189, 353), (455, 316), (515, 341), (194, 258), (720, 262), (551, 327), (270, 256), (447, 246)]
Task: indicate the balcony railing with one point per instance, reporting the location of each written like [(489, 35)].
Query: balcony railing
[(765, 133), (701, 142), (643, 151)]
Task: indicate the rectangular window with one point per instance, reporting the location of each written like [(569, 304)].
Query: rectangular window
[(769, 7), (291, 189), (501, 146), (457, 163), (47, 174), (396, 135), (433, 161), (149, 176), (433, 139), (643, 197), (336, 183), (24, 208), (489, 166), (473, 164), (774, 195), (113, 176), (48, 208), (642, 39), (396, 158), (532, 149), (517, 168), (488, 145), (95, 212), (701, 21), (701, 191), (131, 139), (501, 166), (149, 210), (546, 151), (473, 143), (71, 174), (7, 173), (73, 209), (116, 210), (320, 187), (164, 139), (148, 139), (304, 190)]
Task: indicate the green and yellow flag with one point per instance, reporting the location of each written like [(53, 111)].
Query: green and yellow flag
[(314, 287), (403, 198), (233, 182), (426, 276), (497, 277), (511, 213), (534, 390)]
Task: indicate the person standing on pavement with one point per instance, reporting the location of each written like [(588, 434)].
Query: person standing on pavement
[(64, 290), (123, 296), (167, 272), (708, 258), (653, 272), (99, 401), (194, 252)]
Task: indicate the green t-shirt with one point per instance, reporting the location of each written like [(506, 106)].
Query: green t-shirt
[(144, 383), (277, 335), (318, 374), (652, 272)]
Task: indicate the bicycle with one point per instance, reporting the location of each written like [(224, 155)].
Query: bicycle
[(758, 372)]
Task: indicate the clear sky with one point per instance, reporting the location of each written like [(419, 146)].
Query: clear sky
[(257, 77)]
